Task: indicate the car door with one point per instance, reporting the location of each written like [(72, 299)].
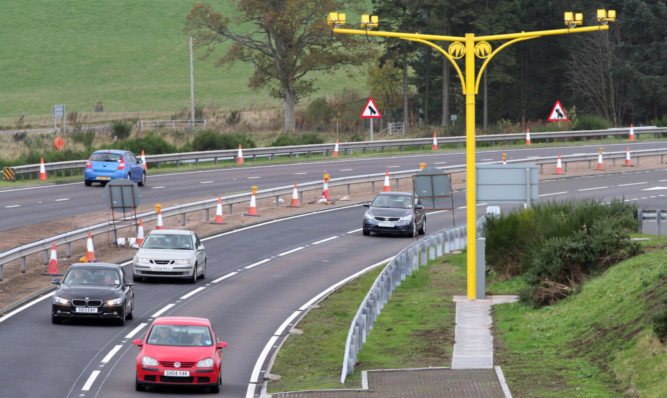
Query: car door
[(128, 290), (201, 251), (136, 169)]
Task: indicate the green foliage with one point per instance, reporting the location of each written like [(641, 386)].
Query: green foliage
[(319, 113), (591, 122), (121, 129), (303, 139), (84, 137), (659, 321), (233, 118), (209, 140), (152, 144)]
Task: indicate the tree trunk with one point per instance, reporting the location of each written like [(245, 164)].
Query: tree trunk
[(290, 122)]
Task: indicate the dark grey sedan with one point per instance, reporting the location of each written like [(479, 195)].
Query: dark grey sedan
[(93, 290), (395, 213)]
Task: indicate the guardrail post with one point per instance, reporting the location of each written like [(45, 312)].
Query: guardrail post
[(208, 214), (1, 266), (423, 253), (183, 219), (640, 218), (372, 186), (277, 200), (658, 219), (438, 248), (23, 265), (69, 249), (431, 247), (46, 256)]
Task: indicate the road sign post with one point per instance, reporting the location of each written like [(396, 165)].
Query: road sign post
[(371, 111), (58, 112)]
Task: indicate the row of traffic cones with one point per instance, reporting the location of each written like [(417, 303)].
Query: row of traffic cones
[(53, 260), (631, 135), (600, 164)]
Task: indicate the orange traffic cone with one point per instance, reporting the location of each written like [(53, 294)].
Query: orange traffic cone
[(559, 166), (239, 156), (252, 209), (325, 187), (335, 152), (42, 171), (435, 142), (295, 198), (143, 159), (527, 136), (90, 250), (504, 158), (600, 165), (422, 166), (218, 213), (140, 232), (53, 262), (159, 225), (632, 133), (628, 163), (386, 188)]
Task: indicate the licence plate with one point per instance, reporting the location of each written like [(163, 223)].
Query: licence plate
[(103, 178), (386, 224), (160, 268), (86, 309), (177, 373)]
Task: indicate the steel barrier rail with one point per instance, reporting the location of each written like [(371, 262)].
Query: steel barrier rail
[(326, 149), (69, 237), (658, 215)]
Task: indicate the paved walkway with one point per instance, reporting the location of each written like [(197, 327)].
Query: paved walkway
[(472, 374)]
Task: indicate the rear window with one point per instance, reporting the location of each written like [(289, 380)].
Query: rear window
[(106, 157)]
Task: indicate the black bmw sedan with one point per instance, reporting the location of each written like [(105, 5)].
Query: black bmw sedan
[(93, 290), (395, 213)]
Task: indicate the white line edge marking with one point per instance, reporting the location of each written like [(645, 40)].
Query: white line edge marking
[(551, 194), (250, 392), (291, 251), (222, 278), (111, 353), (591, 189), (206, 182), (91, 380), (61, 200), (136, 330), (324, 240), (258, 365), (354, 231), (162, 311), (266, 260), (10, 206), (158, 187), (16, 311), (630, 184), (197, 290), (289, 320)]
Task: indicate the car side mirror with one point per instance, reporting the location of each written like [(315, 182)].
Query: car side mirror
[(419, 207), (129, 283), (222, 344), (137, 342), (367, 204), (55, 281)]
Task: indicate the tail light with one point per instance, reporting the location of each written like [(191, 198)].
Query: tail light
[(88, 164), (121, 165)]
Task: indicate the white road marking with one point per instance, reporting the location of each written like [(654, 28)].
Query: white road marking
[(440, 163), (392, 167), (10, 206), (61, 200), (289, 320), (266, 260), (16, 311), (324, 240), (162, 311), (291, 251), (654, 189), (91, 380), (254, 377), (206, 182), (136, 330), (197, 290), (158, 187), (345, 169), (487, 160), (250, 393), (552, 194), (111, 353), (300, 174), (354, 231), (591, 189), (631, 184), (222, 278), (254, 177)]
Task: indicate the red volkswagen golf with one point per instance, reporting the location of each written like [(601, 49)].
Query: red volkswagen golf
[(180, 351)]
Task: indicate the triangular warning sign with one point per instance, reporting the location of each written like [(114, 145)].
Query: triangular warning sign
[(558, 113), (371, 111)]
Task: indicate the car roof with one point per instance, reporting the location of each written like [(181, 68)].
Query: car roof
[(395, 194), (118, 151), (95, 265), (181, 320), (170, 232)]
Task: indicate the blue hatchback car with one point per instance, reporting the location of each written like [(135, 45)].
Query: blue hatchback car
[(106, 165)]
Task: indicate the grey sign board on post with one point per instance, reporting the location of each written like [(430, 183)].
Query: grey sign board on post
[(122, 195), (434, 188), (508, 183)]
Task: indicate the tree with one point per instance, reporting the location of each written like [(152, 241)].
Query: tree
[(287, 40)]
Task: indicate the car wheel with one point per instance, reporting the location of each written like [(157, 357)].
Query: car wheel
[(143, 180), (366, 233), (121, 321), (139, 386), (422, 230), (194, 275), (413, 230), (137, 278), (130, 314), (88, 183), (203, 274), (216, 388), (56, 321)]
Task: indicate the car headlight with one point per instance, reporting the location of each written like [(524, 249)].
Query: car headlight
[(409, 217), (185, 261), (148, 361), (205, 363), (368, 215), (117, 301), (142, 260), (60, 300)]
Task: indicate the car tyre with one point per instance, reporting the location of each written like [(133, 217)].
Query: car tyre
[(56, 320), (121, 321), (422, 230), (139, 386), (137, 278), (413, 230), (365, 232), (203, 274), (88, 183), (143, 180), (193, 280), (130, 315), (216, 388)]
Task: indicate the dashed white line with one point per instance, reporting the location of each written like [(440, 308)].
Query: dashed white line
[(440, 163), (10, 206), (324, 240), (254, 177), (300, 174), (487, 160), (161, 187), (591, 189), (631, 184), (197, 290), (206, 182), (61, 199), (222, 278), (266, 260), (162, 311), (291, 251), (111, 353), (90, 380), (136, 330), (392, 167), (354, 231), (552, 194), (345, 169)]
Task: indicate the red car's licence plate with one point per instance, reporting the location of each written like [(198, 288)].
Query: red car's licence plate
[(177, 373)]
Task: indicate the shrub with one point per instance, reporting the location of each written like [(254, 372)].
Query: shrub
[(319, 113), (303, 139), (151, 144), (591, 122), (233, 118), (84, 137), (121, 129), (660, 322), (209, 140)]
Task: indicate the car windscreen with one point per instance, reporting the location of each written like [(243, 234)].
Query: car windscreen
[(106, 157), (392, 201), (92, 277), (180, 335), (168, 241)]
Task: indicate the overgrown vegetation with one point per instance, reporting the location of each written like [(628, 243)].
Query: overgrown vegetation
[(209, 140), (121, 129), (301, 139), (556, 247)]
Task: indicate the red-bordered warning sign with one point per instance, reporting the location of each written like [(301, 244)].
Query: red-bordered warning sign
[(370, 110), (558, 113)]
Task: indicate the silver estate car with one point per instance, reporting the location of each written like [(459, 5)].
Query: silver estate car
[(170, 253)]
